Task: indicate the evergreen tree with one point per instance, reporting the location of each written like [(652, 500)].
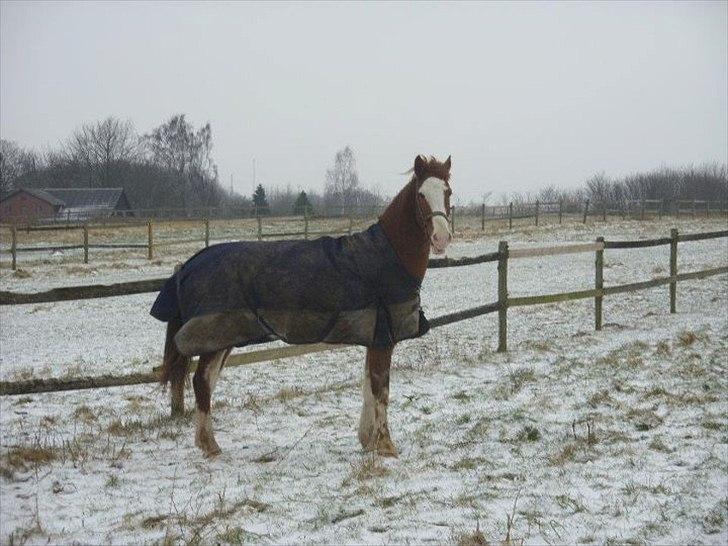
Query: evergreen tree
[(302, 205), (260, 200)]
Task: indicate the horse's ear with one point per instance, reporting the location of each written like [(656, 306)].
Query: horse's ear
[(420, 165), (447, 163)]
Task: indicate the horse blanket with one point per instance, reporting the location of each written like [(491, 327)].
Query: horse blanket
[(351, 290)]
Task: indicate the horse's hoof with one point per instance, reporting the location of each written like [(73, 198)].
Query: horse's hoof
[(207, 444), (214, 452), (209, 447), (386, 448)]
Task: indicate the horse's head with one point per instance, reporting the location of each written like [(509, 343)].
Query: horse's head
[(433, 200)]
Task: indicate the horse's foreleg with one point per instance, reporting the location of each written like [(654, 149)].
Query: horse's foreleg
[(373, 427), (204, 381)]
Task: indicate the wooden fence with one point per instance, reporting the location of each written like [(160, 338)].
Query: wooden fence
[(152, 242), (502, 256), (537, 211), (642, 209)]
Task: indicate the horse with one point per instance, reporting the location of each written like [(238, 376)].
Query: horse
[(358, 289)]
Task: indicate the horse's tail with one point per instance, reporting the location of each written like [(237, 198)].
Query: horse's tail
[(174, 363)]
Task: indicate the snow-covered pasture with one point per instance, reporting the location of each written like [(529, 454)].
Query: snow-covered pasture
[(572, 436)]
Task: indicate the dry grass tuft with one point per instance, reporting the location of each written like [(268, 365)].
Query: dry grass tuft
[(529, 434), (24, 458), (643, 419), (687, 338), (289, 393), (538, 345), (85, 414), (663, 348), (367, 468), (469, 463), (600, 398), (476, 538)]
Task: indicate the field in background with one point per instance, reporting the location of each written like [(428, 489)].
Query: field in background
[(619, 436)]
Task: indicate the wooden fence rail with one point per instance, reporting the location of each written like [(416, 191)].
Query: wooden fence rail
[(510, 212), (151, 244), (84, 292), (501, 306)]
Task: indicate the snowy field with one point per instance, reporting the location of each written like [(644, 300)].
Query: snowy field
[(573, 436)]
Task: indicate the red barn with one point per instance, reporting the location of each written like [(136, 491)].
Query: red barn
[(26, 205), (29, 205)]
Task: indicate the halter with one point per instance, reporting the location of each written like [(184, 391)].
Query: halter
[(437, 213), (430, 216)]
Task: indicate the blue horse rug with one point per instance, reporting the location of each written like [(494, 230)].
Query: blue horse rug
[(350, 290)]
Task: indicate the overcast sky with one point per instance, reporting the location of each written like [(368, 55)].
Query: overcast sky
[(521, 94)]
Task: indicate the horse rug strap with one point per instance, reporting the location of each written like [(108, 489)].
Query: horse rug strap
[(350, 290)]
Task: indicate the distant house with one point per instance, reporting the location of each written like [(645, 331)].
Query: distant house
[(27, 205)]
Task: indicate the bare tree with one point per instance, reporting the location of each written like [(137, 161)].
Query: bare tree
[(176, 146), (342, 182), (101, 147), (15, 163), (9, 165)]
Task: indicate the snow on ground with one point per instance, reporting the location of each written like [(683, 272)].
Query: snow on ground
[(618, 436)]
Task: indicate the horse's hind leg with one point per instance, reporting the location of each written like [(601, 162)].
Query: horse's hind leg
[(177, 394), (204, 381), (373, 427)]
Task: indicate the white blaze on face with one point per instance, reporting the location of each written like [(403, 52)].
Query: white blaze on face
[(433, 190)]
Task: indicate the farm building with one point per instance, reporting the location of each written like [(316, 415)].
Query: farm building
[(27, 205)]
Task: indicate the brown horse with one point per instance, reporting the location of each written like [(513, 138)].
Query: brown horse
[(414, 222)]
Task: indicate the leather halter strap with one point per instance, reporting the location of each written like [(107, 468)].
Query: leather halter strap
[(430, 216), (437, 213)]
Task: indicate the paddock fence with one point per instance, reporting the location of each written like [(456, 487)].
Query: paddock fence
[(503, 257), (147, 238), (582, 211)]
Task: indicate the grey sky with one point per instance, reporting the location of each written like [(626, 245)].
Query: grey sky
[(521, 94)]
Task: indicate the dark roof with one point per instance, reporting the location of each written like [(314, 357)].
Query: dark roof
[(87, 197), (40, 194)]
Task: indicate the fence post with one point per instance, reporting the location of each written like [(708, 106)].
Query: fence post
[(85, 243), (452, 219), (642, 210), (599, 285), (604, 211), (586, 210), (537, 212), (150, 241), (510, 215), (502, 296), (561, 208), (305, 222), (673, 268), (14, 245), (207, 232), (482, 217), (260, 227)]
